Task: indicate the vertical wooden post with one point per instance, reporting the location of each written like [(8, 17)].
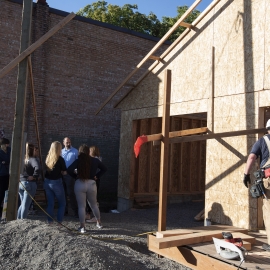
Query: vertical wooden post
[(164, 159), (213, 92), (17, 137)]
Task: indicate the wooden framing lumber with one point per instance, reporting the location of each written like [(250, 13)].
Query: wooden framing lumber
[(188, 132), (217, 135), (164, 155), (171, 47), (35, 45), (189, 258), (156, 47), (176, 232), (187, 25), (187, 239), (153, 57), (19, 116), (172, 134)]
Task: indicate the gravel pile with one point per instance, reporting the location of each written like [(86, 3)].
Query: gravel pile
[(32, 244)]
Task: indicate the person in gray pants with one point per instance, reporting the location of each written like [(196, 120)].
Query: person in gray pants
[(85, 188)]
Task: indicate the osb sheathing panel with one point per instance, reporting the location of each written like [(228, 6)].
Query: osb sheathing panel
[(267, 48), (191, 65), (236, 30)]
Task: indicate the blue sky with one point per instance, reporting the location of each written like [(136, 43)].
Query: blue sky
[(159, 7)]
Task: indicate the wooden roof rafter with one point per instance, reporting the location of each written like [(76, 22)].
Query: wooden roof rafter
[(150, 54), (169, 49)]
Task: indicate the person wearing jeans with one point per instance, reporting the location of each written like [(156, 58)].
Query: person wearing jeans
[(55, 189), (28, 178), (53, 185)]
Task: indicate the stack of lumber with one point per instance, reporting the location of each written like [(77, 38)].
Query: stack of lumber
[(183, 237)]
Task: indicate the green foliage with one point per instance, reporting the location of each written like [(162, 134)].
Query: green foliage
[(128, 17)]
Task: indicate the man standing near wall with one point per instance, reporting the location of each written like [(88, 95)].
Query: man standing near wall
[(260, 149), (70, 154)]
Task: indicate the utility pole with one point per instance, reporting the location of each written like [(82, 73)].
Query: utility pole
[(18, 130)]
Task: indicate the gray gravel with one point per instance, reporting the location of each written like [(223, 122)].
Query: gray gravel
[(32, 244)]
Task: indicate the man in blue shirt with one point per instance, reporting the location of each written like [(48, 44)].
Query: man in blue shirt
[(260, 149), (70, 154)]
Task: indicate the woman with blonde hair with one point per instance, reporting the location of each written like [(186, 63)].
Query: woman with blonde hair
[(85, 186), (28, 181), (53, 185)]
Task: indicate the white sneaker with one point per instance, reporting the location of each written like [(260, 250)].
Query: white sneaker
[(82, 230), (99, 226)]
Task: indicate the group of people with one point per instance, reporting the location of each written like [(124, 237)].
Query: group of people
[(69, 173)]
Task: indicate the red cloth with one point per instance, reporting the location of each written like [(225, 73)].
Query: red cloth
[(139, 142)]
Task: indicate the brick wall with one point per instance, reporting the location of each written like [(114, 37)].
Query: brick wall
[(74, 73)]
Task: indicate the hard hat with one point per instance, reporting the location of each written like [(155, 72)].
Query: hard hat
[(268, 124)]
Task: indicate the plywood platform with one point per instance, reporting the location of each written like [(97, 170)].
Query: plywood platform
[(202, 255)]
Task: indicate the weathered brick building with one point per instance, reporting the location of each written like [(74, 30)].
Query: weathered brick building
[(74, 72)]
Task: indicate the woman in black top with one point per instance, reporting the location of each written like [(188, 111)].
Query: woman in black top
[(28, 180), (85, 187), (53, 185)]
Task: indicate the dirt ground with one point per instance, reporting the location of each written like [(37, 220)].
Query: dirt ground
[(32, 244)]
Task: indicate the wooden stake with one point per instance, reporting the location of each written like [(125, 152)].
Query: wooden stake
[(28, 50), (164, 159), (17, 137)]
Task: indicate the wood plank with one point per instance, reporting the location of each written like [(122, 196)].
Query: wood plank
[(172, 134), (176, 232), (164, 155), (194, 138), (189, 258), (19, 116), (153, 57), (35, 45), (186, 132), (187, 25), (189, 239), (171, 47), (153, 50)]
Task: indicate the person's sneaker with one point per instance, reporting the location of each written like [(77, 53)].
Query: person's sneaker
[(82, 230), (99, 226), (266, 247)]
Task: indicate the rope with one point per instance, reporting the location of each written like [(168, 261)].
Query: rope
[(75, 231)]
